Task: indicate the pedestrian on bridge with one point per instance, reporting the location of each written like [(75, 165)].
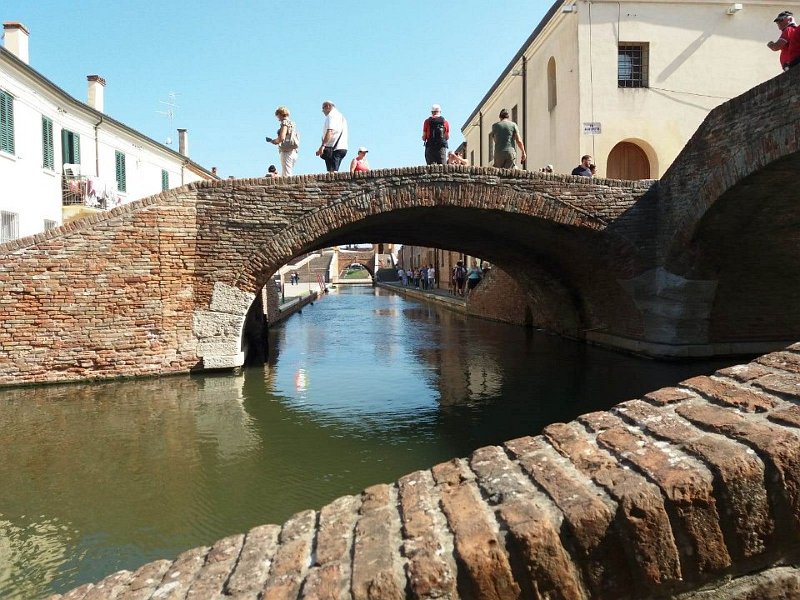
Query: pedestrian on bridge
[(583, 169), (435, 134), (334, 137), (788, 44), (287, 140), (359, 164), (506, 133)]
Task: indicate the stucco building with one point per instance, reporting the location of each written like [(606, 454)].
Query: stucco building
[(61, 158), (627, 82)]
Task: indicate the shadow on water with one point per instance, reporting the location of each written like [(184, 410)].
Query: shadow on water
[(359, 389)]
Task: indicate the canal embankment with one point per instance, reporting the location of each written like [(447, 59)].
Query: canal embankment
[(435, 296)]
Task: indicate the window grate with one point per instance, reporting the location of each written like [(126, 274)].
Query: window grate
[(50, 224), (632, 65), (9, 226)]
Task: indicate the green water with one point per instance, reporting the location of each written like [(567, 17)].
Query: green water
[(361, 388)]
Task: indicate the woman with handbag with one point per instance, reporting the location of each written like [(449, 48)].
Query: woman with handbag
[(287, 140)]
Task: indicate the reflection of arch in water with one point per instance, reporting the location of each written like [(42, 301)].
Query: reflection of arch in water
[(631, 159)]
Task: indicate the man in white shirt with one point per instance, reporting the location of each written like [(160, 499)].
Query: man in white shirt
[(334, 137)]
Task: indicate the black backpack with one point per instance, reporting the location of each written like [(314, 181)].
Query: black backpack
[(436, 137)]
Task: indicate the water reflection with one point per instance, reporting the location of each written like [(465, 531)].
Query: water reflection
[(360, 388)]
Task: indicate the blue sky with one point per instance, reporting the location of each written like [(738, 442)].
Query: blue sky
[(232, 62)]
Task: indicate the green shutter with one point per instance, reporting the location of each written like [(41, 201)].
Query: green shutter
[(120, 160), (70, 147), (6, 123), (164, 180), (48, 160)]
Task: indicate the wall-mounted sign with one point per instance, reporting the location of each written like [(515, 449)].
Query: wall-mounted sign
[(592, 128)]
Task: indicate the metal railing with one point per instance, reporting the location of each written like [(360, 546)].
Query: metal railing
[(76, 190)]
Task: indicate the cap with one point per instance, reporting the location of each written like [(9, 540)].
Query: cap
[(549, 167), (362, 149), (436, 108), (782, 15)]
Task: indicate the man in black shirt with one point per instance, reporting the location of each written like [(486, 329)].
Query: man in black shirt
[(583, 169)]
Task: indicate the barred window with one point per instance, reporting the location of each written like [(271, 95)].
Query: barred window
[(632, 65), (9, 226), (50, 224)]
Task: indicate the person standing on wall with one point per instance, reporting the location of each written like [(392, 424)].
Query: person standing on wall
[(287, 140), (506, 134), (435, 134), (334, 137), (788, 44)]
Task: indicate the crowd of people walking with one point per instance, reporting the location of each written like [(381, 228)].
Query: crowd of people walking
[(435, 137), (461, 281)]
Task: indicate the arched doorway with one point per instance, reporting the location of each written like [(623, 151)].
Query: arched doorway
[(628, 161)]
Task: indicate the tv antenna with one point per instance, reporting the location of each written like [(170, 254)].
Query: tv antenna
[(169, 112)]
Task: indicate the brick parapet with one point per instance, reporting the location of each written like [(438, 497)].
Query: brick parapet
[(691, 489)]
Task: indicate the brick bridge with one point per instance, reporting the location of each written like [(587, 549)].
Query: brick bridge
[(706, 261)]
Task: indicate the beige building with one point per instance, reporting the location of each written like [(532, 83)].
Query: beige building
[(626, 82)]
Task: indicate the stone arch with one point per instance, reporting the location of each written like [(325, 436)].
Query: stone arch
[(631, 159)]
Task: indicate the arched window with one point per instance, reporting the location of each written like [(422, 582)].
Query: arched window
[(552, 93)]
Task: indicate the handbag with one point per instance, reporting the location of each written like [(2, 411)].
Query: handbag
[(327, 151)]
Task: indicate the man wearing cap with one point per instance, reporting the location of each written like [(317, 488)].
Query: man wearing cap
[(435, 133), (359, 164), (506, 133), (788, 44), (334, 137)]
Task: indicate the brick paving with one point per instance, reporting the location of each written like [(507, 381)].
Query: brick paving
[(692, 491)]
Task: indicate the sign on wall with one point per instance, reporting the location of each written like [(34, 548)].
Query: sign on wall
[(591, 128)]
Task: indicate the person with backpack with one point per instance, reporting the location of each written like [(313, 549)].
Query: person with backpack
[(287, 140), (435, 133)]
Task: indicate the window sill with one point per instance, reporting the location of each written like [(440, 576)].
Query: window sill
[(50, 172), (7, 156)]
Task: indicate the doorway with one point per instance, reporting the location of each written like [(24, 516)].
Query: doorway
[(628, 161)]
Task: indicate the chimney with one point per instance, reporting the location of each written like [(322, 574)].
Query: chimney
[(183, 142), (95, 94), (17, 40)]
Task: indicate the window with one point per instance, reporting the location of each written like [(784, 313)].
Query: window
[(120, 160), (9, 226), (70, 147), (514, 114), (552, 88), (50, 224), (632, 61), (6, 123), (164, 180), (48, 158), (472, 157), (491, 148)]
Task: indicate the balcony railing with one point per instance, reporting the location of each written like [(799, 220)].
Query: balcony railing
[(92, 192)]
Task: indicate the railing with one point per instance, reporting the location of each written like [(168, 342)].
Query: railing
[(92, 192)]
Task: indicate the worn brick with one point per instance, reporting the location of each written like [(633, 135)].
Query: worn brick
[(588, 512), (738, 474), (728, 394), (533, 526), (480, 553), (778, 447), (651, 548), (292, 557), (255, 559)]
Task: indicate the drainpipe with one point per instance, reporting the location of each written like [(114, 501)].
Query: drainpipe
[(524, 105), (97, 147), (480, 133)]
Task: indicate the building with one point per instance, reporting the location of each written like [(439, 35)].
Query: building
[(627, 82), (61, 158)]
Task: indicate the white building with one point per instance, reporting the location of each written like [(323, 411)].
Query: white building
[(627, 82), (61, 158)]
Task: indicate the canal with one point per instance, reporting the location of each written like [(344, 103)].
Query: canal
[(360, 388)]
